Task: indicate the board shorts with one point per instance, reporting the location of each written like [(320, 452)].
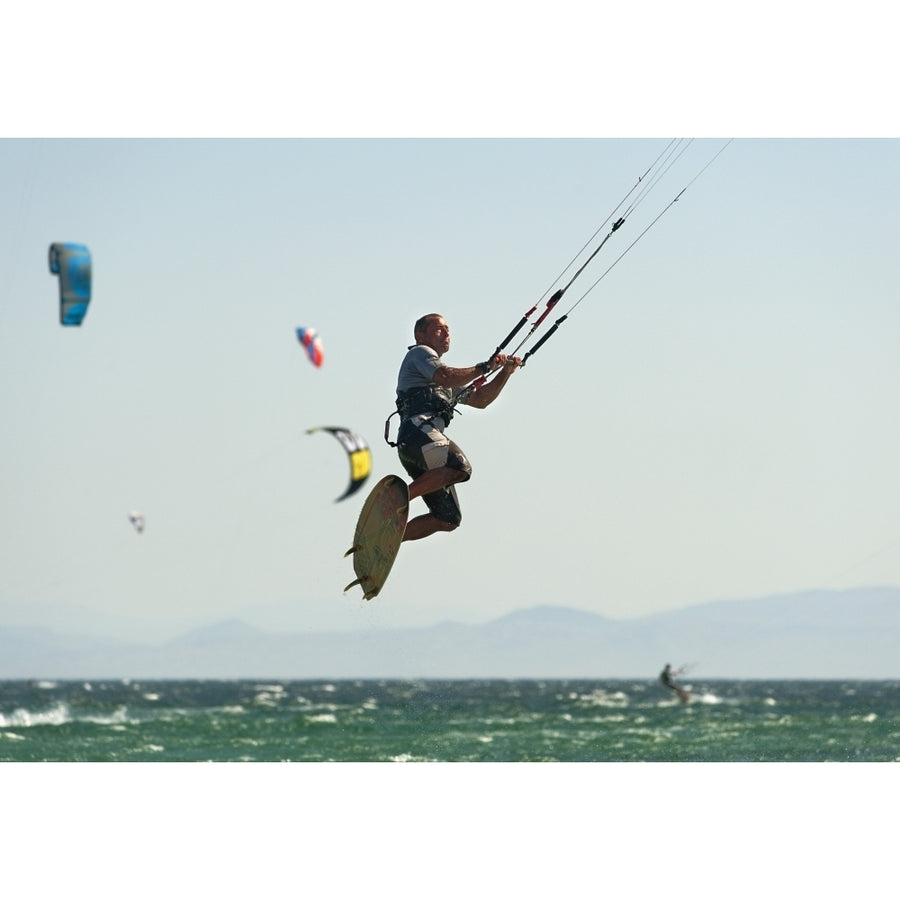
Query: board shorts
[(422, 445)]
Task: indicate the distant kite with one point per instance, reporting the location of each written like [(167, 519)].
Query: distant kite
[(309, 338), (72, 262), (137, 519), (360, 457)]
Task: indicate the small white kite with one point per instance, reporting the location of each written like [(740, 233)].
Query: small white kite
[(137, 519)]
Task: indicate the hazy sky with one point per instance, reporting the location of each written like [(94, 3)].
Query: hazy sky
[(717, 419)]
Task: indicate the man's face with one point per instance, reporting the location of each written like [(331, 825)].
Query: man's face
[(437, 336)]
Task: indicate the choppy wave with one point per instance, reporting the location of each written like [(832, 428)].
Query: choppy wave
[(59, 714)]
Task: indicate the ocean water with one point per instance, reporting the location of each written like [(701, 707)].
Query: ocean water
[(448, 721)]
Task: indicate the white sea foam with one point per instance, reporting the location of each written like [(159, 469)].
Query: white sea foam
[(118, 717), (599, 697), (60, 714), (24, 718), (323, 717), (402, 757), (267, 698), (411, 757), (706, 697)]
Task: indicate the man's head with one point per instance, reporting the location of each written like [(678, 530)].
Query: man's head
[(434, 332)]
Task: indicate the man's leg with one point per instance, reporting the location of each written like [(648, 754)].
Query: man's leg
[(425, 525), (434, 480), (428, 483)]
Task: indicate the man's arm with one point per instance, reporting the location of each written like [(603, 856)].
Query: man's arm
[(485, 395), (448, 377)]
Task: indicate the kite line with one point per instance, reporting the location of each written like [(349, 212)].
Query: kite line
[(658, 168)]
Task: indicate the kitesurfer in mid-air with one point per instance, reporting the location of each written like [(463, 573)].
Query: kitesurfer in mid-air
[(666, 677), (427, 392)]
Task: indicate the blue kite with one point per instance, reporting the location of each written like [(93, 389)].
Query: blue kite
[(72, 262)]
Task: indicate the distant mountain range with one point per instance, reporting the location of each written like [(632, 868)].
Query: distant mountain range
[(817, 634)]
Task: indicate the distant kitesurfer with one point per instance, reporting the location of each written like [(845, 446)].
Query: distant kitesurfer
[(427, 392), (666, 677)]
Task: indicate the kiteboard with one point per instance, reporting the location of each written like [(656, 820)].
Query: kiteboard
[(379, 532)]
